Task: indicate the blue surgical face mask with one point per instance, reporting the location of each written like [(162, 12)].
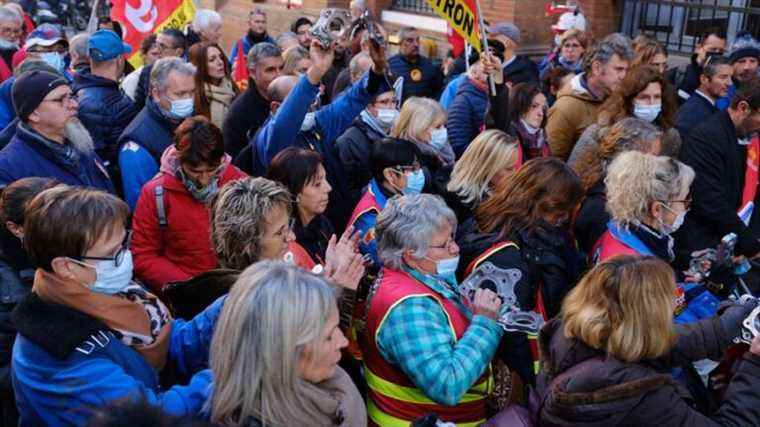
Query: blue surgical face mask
[(647, 113), (387, 117), (415, 182), (446, 269), (438, 138), (111, 279), (182, 108), (55, 60)]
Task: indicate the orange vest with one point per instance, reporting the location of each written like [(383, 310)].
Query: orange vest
[(394, 400)]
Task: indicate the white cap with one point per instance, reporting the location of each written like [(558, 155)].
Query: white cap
[(569, 21)]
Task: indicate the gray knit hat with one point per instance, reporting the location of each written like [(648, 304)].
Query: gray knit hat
[(744, 45)]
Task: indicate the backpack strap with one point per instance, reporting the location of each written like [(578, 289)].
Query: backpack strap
[(160, 207)]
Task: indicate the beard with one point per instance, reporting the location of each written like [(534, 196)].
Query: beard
[(78, 136)]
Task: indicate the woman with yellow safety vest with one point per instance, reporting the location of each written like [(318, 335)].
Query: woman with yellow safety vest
[(425, 349)]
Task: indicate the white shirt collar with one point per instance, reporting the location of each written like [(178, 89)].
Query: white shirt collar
[(698, 92)]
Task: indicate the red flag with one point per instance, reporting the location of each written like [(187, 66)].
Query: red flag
[(240, 68), (142, 17), (455, 40)]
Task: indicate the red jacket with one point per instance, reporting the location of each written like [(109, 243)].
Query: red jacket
[(183, 248)]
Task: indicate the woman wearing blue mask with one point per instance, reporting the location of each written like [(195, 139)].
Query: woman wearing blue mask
[(524, 227), (423, 121), (395, 168), (88, 334), (425, 349), (171, 220)]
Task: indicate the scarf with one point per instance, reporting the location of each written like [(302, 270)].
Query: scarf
[(338, 400), (445, 155), (219, 98), (254, 38), (142, 320), (533, 139), (659, 243), (372, 123), (200, 194)]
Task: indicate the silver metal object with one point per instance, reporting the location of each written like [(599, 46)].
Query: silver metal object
[(333, 24)]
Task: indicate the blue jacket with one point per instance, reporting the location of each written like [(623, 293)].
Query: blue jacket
[(142, 144), (467, 113), (7, 111), (27, 156), (283, 130), (365, 224), (105, 111), (65, 363), (450, 92), (247, 45)]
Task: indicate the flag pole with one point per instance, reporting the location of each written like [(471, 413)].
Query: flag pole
[(467, 48), (482, 25)]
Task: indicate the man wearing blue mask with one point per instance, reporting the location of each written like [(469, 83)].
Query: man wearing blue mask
[(172, 86), (103, 108), (47, 43)]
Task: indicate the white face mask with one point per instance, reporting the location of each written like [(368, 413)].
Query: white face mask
[(387, 116), (438, 138), (647, 112), (677, 223)]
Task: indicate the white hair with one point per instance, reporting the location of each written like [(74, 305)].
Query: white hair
[(159, 75), (8, 14), (205, 19)]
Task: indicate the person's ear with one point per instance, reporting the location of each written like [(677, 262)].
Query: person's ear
[(703, 79), (408, 259), (655, 210), (155, 93), (15, 229), (34, 117), (596, 68), (63, 268)]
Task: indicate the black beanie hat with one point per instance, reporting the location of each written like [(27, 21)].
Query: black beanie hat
[(31, 88)]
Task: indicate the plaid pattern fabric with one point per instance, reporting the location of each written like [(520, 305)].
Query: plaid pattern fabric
[(417, 338)]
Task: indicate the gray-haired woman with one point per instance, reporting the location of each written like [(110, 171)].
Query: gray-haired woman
[(274, 365), (424, 349)]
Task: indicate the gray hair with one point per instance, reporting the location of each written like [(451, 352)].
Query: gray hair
[(262, 51), (356, 68), (159, 75), (259, 341), (636, 180), (238, 214), (408, 223), (257, 11), (403, 33), (284, 36), (78, 45), (8, 14), (206, 18), (603, 51)]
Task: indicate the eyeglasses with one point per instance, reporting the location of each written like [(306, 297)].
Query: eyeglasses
[(65, 99), (686, 202), (448, 245), (386, 103), (162, 47), (572, 45), (118, 257), (10, 31), (283, 233), (408, 169)]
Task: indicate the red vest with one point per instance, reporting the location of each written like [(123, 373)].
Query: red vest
[(608, 246), (393, 397), (301, 258), (366, 204)]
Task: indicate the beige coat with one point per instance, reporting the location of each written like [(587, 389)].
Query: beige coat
[(574, 111)]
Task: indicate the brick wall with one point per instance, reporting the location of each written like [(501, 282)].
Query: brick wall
[(528, 15)]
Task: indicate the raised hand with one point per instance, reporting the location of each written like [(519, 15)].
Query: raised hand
[(321, 61)]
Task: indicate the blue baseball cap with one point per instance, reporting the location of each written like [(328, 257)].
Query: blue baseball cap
[(105, 45)]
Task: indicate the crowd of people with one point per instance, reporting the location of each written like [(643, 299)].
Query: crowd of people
[(181, 248)]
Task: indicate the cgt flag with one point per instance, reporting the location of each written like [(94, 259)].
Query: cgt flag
[(462, 16), (140, 18)]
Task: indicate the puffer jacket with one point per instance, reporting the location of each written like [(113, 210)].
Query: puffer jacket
[(609, 392), (467, 113), (574, 111), (182, 248), (65, 363), (105, 111)]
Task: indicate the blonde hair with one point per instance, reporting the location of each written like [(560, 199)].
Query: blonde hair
[(636, 180), (416, 116), (258, 342), (624, 307), (291, 57), (490, 152), (576, 34)]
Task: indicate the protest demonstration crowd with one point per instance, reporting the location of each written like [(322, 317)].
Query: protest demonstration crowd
[(324, 228)]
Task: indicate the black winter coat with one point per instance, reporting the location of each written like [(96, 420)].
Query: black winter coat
[(429, 81), (592, 218), (521, 70), (105, 111), (244, 118), (354, 149), (719, 162), (696, 110), (611, 392)]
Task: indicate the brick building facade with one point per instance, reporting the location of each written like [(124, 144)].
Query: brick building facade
[(602, 15)]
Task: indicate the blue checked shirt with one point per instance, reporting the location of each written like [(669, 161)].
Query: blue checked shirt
[(417, 338)]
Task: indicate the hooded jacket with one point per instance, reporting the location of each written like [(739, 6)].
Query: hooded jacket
[(575, 110), (609, 392), (181, 249)]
